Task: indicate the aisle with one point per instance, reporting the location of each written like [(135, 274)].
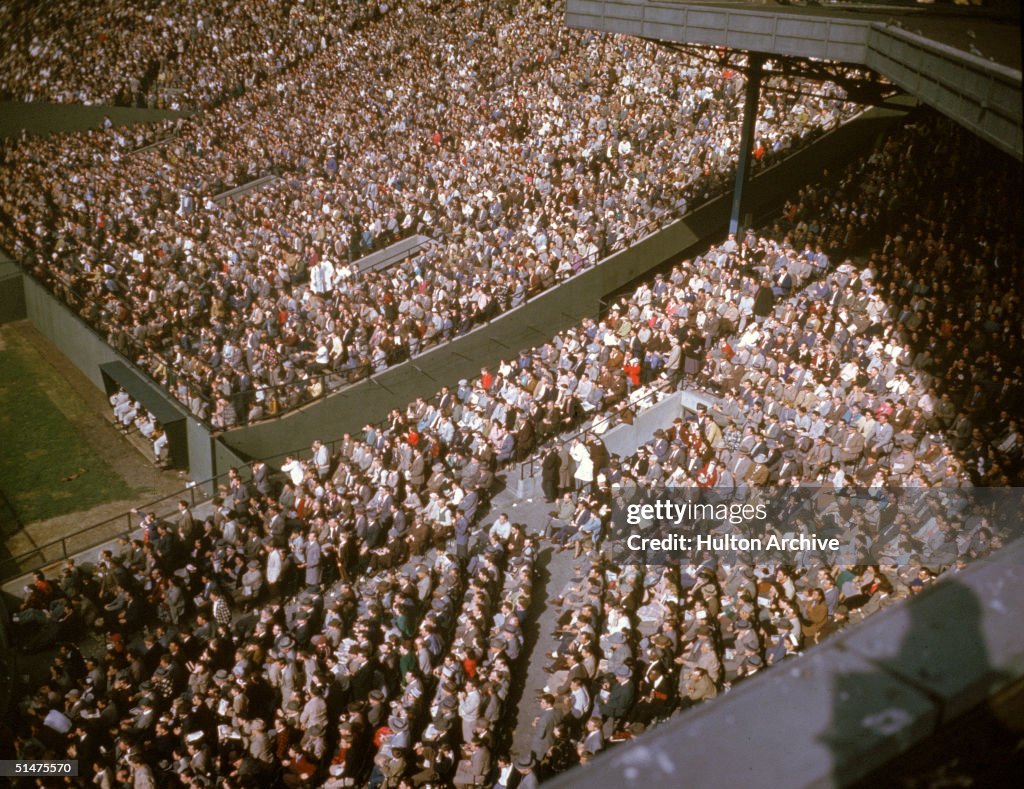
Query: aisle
[(552, 570), (559, 570)]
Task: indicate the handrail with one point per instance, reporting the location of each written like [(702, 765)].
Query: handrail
[(243, 189), (151, 146), (193, 493)]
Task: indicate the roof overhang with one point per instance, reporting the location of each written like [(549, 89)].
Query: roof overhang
[(928, 56)]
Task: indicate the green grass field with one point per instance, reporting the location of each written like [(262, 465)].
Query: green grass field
[(40, 445)]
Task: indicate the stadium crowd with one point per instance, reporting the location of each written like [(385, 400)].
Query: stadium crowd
[(846, 382), (354, 623), (167, 54), (527, 151)]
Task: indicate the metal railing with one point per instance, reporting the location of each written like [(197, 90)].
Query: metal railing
[(528, 468), (152, 146), (99, 533)]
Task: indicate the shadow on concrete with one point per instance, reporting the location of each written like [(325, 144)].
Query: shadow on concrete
[(531, 635), (983, 748), (869, 717)]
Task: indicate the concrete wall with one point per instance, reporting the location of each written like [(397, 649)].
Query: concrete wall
[(848, 707), (68, 332), (41, 117), (12, 292), (226, 459), (88, 351), (550, 312), (201, 461), (624, 440)]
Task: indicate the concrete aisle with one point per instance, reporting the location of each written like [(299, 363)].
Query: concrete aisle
[(553, 570), (558, 572)]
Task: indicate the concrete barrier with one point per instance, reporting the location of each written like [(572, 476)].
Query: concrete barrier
[(848, 707), (396, 253), (71, 335), (245, 188), (12, 292), (624, 440)]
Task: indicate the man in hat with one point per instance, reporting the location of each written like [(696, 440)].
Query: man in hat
[(312, 561), (619, 652), (376, 710), (473, 769), (259, 743), (549, 474), (741, 466), (525, 767), (790, 466), (314, 743), (252, 583), (697, 686)]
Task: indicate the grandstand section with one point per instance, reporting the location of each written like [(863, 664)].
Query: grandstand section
[(521, 199), (561, 406)]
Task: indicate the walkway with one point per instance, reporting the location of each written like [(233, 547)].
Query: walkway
[(40, 117), (552, 570)]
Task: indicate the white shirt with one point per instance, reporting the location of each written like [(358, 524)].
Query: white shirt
[(159, 444), (501, 530), (295, 471), (580, 702)]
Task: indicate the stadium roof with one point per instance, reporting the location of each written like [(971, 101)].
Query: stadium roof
[(964, 63)]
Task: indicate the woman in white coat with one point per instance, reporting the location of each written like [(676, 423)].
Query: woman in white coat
[(275, 565), (584, 465)]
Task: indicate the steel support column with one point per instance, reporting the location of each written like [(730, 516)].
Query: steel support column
[(754, 71)]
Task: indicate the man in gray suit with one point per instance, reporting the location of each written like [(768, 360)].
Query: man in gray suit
[(260, 477), (527, 777), (312, 561), (544, 727)]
